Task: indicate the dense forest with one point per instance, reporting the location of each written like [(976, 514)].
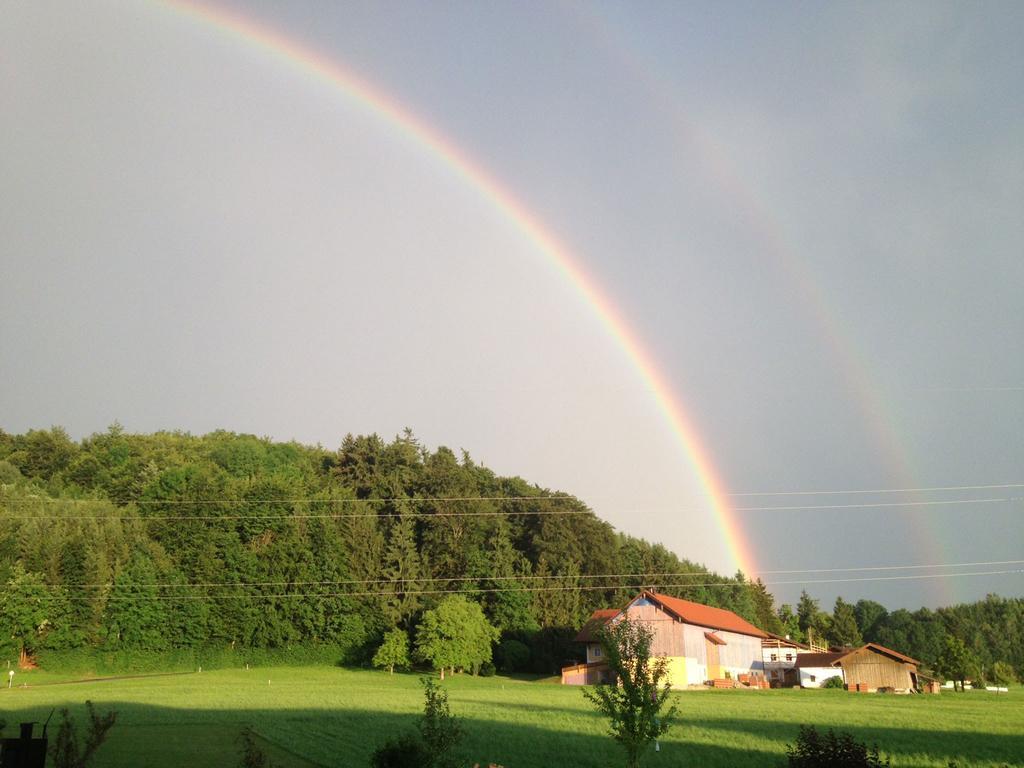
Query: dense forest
[(126, 542)]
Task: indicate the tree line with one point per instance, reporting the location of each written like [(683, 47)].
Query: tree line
[(169, 540), (155, 542)]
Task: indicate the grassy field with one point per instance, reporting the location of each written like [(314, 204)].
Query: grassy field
[(324, 716)]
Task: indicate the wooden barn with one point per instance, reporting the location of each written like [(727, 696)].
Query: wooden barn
[(867, 668), (701, 643), (873, 666)]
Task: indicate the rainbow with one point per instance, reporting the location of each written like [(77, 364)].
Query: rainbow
[(302, 58)]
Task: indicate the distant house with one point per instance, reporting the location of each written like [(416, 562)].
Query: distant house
[(813, 669), (867, 668), (701, 643), (595, 670)]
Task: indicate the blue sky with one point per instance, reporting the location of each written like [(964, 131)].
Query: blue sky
[(810, 215)]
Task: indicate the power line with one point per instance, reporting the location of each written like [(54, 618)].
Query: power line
[(896, 567), (487, 590), (880, 504), (517, 577), (304, 500), (935, 489), (513, 513), (324, 516)]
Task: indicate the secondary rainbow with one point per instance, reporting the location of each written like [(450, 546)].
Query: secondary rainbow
[(299, 56)]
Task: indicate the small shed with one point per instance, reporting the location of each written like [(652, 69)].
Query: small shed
[(876, 666), (587, 674), (867, 668)]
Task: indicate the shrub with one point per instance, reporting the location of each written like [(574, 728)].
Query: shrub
[(252, 755), (812, 750), (487, 669), (512, 656), (407, 751), (834, 682), (66, 752), (434, 745), (440, 730), (1003, 674)]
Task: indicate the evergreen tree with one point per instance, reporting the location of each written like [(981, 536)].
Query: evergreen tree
[(806, 612), (136, 616), (790, 623), (843, 631), (403, 573), (25, 605), (764, 608)]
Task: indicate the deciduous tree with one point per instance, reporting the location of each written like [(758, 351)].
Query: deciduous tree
[(393, 652), (635, 702), (455, 634)]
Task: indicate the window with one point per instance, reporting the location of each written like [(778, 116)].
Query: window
[(596, 651), (813, 679), (789, 657), (775, 657)]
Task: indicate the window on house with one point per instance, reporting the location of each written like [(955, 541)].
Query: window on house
[(789, 657), (775, 657), (813, 679), (597, 650)]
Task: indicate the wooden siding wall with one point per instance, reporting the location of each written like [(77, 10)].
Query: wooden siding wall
[(877, 671), (693, 640), (740, 654), (668, 640)]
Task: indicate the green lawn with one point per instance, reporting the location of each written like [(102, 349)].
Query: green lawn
[(325, 716)]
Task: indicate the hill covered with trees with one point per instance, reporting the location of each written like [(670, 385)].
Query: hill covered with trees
[(125, 542), (169, 540)]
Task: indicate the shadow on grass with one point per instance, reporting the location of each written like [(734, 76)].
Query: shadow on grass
[(939, 746), (158, 736)]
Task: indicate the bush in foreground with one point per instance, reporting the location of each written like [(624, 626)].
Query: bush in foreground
[(252, 755), (435, 743), (813, 750)]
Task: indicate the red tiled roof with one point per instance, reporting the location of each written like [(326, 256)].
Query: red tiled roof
[(596, 621), (706, 616)]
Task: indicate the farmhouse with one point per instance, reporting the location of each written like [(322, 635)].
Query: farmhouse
[(779, 655), (701, 643), (867, 668)]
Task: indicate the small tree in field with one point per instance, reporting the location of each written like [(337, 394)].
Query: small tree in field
[(393, 652), (957, 662), (1003, 674), (66, 752), (455, 634), (633, 705)]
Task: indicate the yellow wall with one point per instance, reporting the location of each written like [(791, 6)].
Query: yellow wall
[(677, 671)]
